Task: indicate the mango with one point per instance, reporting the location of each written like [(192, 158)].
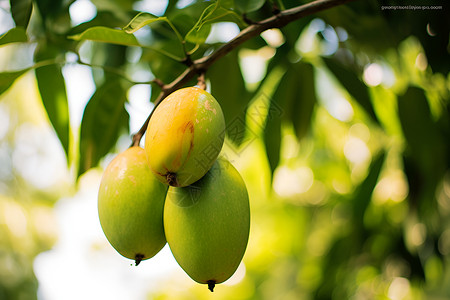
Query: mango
[(207, 224), (184, 136), (130, 206)]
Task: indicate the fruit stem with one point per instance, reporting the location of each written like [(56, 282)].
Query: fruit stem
[(138, 258), (211, 285)]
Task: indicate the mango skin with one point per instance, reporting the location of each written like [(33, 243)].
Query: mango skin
[(130, 206), (184, 136), (207, 224)]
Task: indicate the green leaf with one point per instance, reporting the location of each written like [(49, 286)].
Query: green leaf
[(144, 19), (14, 35), (103, 18), (272, 137), (426, 156), (52, 88), (303, 106), (424, 140), (279, 101), (294, 99), (354, 86), (107, 35), (212, 14), (198, 35), (21, 11), (415, 118), (186, 18), (297, 96), (140, 20), (247, 6), (118, 37), (227, 86), (363, 193), (103, 121), (8, 78)]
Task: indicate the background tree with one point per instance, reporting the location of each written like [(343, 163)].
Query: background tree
[(342, 136)]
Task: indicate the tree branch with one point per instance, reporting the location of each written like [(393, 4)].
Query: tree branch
[(202, 64)]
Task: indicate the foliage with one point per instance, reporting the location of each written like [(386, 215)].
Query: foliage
[(348, 122)]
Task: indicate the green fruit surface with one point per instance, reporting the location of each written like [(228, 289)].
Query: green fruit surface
[(184, 136), (207, 224), (130, 206)]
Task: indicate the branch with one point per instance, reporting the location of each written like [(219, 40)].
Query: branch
[(202, 64)]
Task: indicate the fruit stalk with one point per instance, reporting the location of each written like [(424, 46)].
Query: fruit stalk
[(211, 285), (201, 81)]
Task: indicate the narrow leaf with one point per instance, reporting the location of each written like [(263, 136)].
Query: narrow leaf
[(294, 99), (8, 78), (272, 139), (103, 18), (52, 88), (198, 35), (297, 96), (14, 35), (415, 117), (424, 141), (21, 11), (211, 14), (199, 32), (303, 105), (103, 121), (354, 86), (227, 85), (140, 20), (107, 35), (426, 156), (282, 98), (363, 193)]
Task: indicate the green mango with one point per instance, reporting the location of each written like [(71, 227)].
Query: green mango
[(207, 224), (130, 206), (184, 136)]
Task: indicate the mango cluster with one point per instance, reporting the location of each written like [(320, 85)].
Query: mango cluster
[(177, 190)]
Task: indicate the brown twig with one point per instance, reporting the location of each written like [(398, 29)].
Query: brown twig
[(200, 65), (201, 81)]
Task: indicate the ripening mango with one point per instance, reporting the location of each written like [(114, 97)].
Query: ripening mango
[(207, 224), (130, 206), (184, 136)]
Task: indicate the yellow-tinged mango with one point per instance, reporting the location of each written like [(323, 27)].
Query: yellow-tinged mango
[(130, 206), (184, 136), (207, 224)]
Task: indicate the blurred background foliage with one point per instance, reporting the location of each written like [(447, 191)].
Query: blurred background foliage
[(338, 122)]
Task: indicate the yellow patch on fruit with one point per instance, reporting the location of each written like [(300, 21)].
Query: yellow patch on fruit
[(184, 136)]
